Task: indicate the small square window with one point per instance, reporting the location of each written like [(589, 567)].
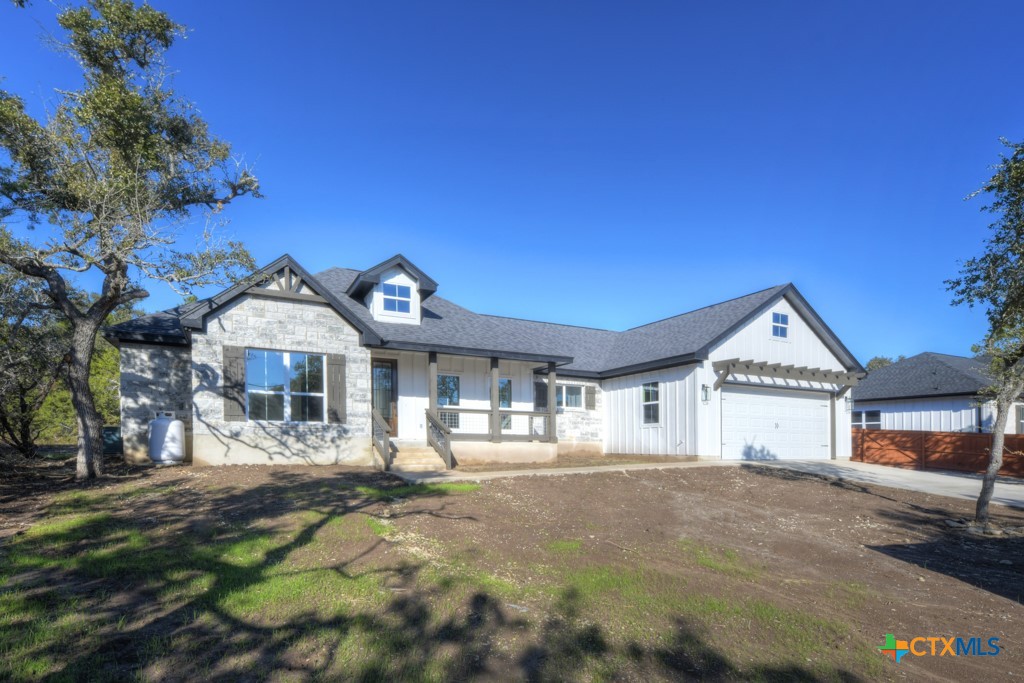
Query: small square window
[(397, 298), (780, 325)]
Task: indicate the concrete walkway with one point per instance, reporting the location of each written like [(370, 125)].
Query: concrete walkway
[(953, 484)]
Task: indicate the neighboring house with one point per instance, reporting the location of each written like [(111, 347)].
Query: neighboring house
[(930, 392), (288, 367)]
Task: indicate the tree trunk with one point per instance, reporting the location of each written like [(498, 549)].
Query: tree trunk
[(1004, 404), (90, 424)]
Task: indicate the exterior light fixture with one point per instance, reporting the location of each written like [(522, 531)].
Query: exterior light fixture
[(705, 393)]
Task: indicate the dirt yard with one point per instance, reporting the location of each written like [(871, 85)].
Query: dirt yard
[(300, 573)]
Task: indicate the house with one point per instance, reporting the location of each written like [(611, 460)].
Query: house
[(352, 366), (931, 392)]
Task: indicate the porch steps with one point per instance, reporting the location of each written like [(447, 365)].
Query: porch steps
[(417, 459)]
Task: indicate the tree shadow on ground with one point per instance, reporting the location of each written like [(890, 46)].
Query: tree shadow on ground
[(980, 562), (992, 563), (184, 583)]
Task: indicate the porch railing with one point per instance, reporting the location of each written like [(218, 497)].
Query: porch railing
[(439, 436), (477, 424), (382, 438)]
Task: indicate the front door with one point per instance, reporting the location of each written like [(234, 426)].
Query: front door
[(385, 391)]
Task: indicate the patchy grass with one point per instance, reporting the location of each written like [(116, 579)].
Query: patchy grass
[(720, 560), (565, 546), (417, 490), (380, 527)]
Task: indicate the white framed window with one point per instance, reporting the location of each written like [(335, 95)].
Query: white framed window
[(448, 395), (1020, 419), (284, 386), (866, 419), (569, 396), (651, 403), (780, 325), (397, 298)]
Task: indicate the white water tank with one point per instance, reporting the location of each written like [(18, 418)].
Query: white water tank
[(166, 439)]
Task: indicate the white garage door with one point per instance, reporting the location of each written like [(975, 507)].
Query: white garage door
[(774, 424)]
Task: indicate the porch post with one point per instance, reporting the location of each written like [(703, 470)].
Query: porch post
[(832, 426), (552, 404), (495, 413), (432, 381)]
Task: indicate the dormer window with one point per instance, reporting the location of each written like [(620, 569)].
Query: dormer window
[(397, 298), (780, 325)]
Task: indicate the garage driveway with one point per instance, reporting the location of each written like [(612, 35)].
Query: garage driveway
[(954, 484)]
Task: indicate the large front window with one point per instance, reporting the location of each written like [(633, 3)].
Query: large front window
[(284, 386)]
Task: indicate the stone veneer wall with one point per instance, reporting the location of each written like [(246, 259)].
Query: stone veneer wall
[(283, 326), (153, 378), (582, 431)]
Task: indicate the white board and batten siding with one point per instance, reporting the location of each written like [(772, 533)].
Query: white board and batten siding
[(939, 414), (675, 433), (691, 426), (740, 419), (754, 341)]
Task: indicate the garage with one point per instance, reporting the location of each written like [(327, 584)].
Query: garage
[(774, 424)]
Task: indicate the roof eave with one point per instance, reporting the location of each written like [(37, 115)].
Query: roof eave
[(478, 352), (650, 366)]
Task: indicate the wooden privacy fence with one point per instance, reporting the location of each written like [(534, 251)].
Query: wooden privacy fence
[(936, 450)]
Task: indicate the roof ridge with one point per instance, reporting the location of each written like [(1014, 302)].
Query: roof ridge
[(547, 322), (942, 356), (735, 298)]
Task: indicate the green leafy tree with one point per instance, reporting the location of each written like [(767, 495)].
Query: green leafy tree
[(994, 281), (879, 362), (108, 184), (33, 346)]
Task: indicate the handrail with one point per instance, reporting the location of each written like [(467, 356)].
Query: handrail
[(439, 436), (381, 438)]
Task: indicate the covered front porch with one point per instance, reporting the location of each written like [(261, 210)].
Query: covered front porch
[(463, 407)]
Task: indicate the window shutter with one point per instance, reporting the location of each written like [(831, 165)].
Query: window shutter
[(591, 398), (234, 384), (540, 396), (336, 388)]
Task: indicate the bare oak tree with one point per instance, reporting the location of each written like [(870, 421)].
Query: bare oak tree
[(109, 181), (995, 281)]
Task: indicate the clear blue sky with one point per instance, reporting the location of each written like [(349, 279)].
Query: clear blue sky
[(610, 163)]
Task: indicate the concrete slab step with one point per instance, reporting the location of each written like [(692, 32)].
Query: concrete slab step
[(416, 452), (417, 467)]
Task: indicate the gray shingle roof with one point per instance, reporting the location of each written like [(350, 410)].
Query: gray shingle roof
[(926, 374), (159, 328), (584, 351)]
